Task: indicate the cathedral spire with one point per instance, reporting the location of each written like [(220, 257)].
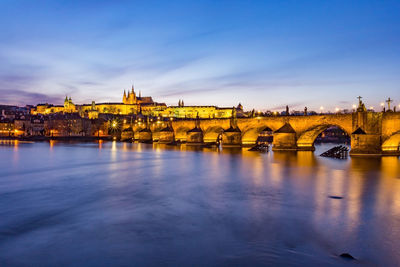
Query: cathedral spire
[(124, 97)]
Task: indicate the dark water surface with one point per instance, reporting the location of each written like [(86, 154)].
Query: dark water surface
[(127, 204)]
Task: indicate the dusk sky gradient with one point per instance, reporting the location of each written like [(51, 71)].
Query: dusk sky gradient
[(264, 54)]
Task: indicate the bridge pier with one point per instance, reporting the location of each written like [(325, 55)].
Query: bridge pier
[(145, 136), (127, 134), (284, 141), (232, 137), (194, 137), (166, 135), (366, 144), (284, 138)]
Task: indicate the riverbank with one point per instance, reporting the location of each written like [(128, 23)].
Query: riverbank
[(58, 138)]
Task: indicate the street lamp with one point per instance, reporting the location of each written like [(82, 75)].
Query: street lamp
[(321, 108)]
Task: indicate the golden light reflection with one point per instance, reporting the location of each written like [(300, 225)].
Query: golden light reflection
[(256, 166), (320, 196), (139, 147), (114, 150), (391, 166), (100, 144), (389, 186), (335, 188), (306, 158), (51, 144), (354, 188)]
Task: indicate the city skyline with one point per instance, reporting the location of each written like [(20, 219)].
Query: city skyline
[(264, 55)]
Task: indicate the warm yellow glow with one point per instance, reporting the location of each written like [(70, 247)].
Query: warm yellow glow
[(114, 124), (337, 109), (371, 107), (321, 108), (354, 106), (382, 104)]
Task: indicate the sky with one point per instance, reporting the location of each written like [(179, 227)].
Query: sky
[(264, 54)]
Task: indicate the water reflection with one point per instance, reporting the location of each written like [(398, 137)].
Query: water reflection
[(187, 205)]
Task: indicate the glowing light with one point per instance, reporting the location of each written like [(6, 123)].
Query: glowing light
[(371, 107), (321, 108), (337, 109), (382, 104), (354, 106)]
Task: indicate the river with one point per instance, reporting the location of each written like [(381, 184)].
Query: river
[(123, 204)]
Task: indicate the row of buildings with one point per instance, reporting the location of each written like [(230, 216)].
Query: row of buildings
[(71, 119), (133, 104), (52, 125)]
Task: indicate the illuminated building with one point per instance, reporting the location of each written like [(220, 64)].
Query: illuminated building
[(133, 104)]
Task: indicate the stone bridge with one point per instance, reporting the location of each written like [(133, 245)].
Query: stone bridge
[(373, 133)]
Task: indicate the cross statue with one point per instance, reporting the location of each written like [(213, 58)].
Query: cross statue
[(389, 101), (359, 100)]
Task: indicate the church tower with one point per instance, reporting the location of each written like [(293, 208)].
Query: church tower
[(132, 96), (66, 102), (124, 98)]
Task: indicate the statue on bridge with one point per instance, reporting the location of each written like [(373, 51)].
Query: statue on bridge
[(305, 111), (389, 101), (361, 107)]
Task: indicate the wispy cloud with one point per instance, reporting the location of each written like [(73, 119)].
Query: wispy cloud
[(21, 97)]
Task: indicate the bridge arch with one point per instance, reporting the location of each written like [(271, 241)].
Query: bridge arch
[(392, 144), (249, 136), (180, 133), (211, 134), (306, 139)]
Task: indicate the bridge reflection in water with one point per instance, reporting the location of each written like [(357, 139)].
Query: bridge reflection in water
[(226, 206)]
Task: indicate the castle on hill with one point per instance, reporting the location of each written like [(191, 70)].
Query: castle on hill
[(133, 104)]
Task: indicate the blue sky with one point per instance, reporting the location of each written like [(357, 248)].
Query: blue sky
[(264, 54)]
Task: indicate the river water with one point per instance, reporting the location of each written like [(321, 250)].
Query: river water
[(122, 204)]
